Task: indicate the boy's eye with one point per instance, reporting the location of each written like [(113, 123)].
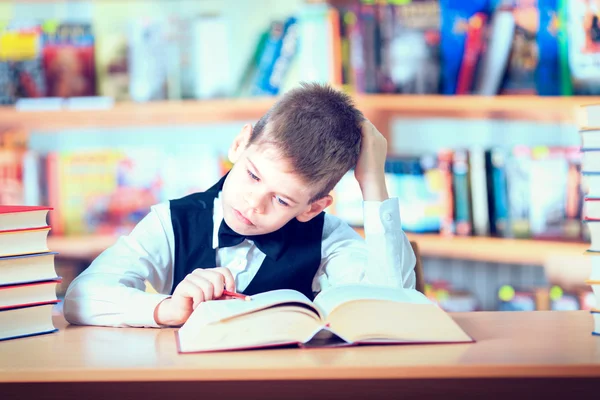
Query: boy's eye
[(252, 175), (280, 201)]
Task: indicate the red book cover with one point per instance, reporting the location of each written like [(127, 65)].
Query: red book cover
[(43, 228), (29, 304), (473, 48), (17, 209)]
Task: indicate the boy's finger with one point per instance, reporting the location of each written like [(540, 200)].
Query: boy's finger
[(191, 290), (218, 281), (229, 281), (203, 284), (207, 288)]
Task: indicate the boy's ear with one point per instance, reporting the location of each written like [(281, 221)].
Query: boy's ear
[(315, 208), (239, 143)]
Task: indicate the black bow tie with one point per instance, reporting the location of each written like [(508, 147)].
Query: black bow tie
[(272, 244)]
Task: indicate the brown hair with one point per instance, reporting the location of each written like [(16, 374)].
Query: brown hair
[(318, 129)]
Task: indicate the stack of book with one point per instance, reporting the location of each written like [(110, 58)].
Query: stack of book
[(28, 278), (589, 130)]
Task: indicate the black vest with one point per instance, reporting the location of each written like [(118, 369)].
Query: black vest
[(295, 268)]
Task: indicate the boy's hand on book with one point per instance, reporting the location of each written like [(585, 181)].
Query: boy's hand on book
[(370, 167), (201, 285)]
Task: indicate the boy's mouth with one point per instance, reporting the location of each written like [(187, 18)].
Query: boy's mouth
[(241, 218)]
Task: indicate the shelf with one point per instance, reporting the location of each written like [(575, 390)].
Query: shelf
[(531, 108), (83, 248), (163, 113), (534, 108), (497, 250)]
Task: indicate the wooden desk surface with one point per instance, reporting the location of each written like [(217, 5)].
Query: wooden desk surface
[(509, 344)]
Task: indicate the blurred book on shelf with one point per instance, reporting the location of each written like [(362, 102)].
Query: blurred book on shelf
[(449, 298), (518, 192), (363, 46), (110, 191)]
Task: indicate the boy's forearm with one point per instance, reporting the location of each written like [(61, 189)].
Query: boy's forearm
[(374, 188)]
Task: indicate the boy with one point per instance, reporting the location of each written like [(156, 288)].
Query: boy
[(261, 227)]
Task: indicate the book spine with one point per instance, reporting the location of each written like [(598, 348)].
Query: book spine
[(473, 49), (566, 85), (547, 73), (370, 35), (462, 193), (447, 217)]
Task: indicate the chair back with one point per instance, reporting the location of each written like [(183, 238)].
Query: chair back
[(420, 281)]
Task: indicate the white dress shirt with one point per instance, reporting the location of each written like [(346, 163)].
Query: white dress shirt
[(111, 291)]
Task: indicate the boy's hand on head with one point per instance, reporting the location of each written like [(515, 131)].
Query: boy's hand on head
[(198, 286), (370, 167)]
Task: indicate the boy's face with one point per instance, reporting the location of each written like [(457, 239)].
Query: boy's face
[(262, 193)]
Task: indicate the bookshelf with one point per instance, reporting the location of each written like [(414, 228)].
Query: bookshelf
[(379, 107), (487, 249)]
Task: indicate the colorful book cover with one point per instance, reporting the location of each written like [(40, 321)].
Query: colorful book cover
[(101, 191), (69, 63), (583, 27), (275, 60), (414, 49), (533, 67), (21, 69), (455, 16), (416, 182)]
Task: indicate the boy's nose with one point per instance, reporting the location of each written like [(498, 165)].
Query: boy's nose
[(255, 202)]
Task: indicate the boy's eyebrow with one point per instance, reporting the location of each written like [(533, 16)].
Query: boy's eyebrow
[(258, 173)]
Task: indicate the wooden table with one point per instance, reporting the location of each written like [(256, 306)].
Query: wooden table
[(534, 354)]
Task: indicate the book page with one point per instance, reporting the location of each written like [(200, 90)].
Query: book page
[(332, 298), (382, 321), (275, 326), (220, 310)]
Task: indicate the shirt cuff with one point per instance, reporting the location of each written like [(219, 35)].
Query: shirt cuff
[(381, 216), (141, 309)]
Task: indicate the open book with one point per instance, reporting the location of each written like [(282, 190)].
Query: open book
[(343, 315)]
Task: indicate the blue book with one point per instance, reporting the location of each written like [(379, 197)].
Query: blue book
[(29, 268), (27, 321)]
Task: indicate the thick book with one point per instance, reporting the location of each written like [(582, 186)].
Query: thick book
[(27, 268), (596, 317), (26, 321), (588, 116), (341, 316), (30, 294), (590, 160), (590, 138), (23, 217), (23, 241), (592, 208), (594, 232), (590, 183)]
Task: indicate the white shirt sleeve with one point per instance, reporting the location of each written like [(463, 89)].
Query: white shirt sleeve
[(111, 291), (384, 257)]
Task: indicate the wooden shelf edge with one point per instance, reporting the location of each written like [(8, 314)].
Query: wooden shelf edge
[(483, 249), (193, 112)]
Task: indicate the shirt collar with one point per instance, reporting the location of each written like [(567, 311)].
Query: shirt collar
[(217, 218)]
